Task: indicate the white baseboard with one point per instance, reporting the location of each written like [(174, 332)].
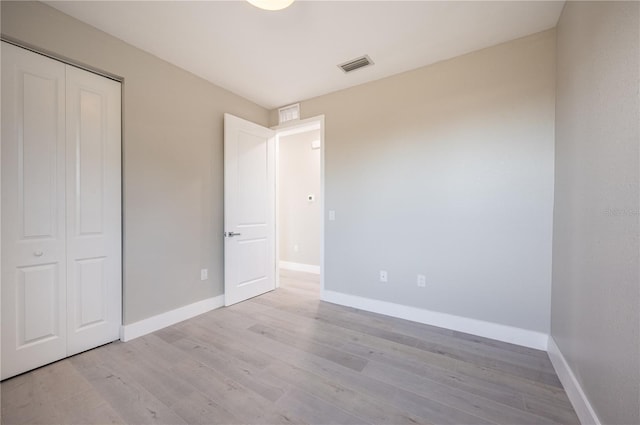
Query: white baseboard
[(505, 333), (574, 391), (300, 267), (154, 323)]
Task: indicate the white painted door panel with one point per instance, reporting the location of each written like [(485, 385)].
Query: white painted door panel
[(61, 209), (249, 218), (33, 205), (93, 210)]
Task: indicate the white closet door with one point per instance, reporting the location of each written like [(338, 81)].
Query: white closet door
[(61, 210), (93, 210), (34, 296)]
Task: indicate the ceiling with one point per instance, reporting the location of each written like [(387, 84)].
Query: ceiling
[(277, 58)]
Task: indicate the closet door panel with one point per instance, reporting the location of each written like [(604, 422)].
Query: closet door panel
[(93, 210), (33, 211)]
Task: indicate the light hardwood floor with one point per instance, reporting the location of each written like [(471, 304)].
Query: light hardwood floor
[(286, 357)]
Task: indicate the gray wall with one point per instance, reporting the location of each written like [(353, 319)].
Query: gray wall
[(446, 170), (299, 219), (173, 163), (596, 291)]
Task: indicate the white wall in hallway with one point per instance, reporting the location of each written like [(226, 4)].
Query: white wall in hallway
[(299, 218)]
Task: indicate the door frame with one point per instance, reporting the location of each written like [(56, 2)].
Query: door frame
[(287, 129)]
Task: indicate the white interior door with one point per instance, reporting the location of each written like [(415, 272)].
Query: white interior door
[(93, 210), (249, 209), (61, 208), (33, 211)]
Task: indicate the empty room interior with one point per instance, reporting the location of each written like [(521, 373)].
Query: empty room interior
[(320, 212)]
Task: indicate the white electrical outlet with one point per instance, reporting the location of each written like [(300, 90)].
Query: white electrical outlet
[(204, 274), (383, 276), (422, 281), (296, 248), (332, 215)]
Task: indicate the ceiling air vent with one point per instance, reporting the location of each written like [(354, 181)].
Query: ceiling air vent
[(357, 63)]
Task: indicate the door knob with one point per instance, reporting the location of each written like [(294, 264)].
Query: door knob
[(231, 234), (38, 253)]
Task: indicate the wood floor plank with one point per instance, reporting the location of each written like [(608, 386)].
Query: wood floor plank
[(95, 411), (30, 395), (450, 377), (359, 404), (436, 412), (315, 410), (158, 381), (531, 367), (288, 358), (559, 412), (245, 405), (197, 409), (517, 400), (427, 332), (333, 355), (330, 332), (345, 376), (512, 383), (231, 347), (490, 410), (422, 331), (318, 365), (523, 365), (254, 379), (155, 350), (421, 335), (501, 345), (133, 403)]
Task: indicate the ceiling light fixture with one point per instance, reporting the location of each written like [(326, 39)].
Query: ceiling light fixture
[(271, 4)]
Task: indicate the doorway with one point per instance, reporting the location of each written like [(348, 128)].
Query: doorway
[(300, 205), (252, 214)]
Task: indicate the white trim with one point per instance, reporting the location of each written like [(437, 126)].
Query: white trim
[(323, 205), (572, 386), (276, 195), (505, 333), (296, 127), (154, 323), (299, 267)]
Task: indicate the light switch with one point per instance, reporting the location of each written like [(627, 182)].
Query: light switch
[(204, 274)]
